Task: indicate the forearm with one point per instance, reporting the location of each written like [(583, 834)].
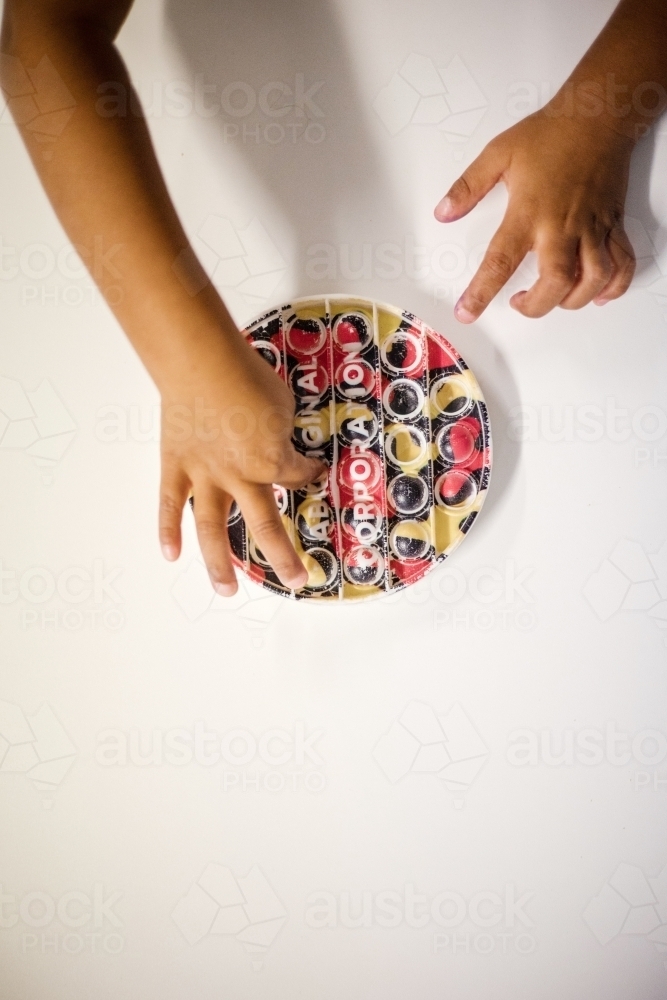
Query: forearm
[(104, 182), (621, 82)]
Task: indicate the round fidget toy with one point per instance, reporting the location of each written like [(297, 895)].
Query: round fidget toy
[(399, 419)]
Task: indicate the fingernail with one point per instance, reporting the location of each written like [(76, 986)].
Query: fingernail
[(462, 314), (170, 552), (601, 302), (225, 589), (297, 582), (445, 207)]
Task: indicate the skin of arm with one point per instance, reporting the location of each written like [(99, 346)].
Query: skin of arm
[(566, 170), (226, 416)]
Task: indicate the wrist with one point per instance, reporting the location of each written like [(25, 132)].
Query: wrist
[(597, 132), (602, 108), (195, 355)]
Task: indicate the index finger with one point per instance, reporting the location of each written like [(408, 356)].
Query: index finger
[(504, 253), (258, 506)]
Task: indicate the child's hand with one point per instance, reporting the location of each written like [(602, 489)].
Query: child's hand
[(226, 429), (567, 181)]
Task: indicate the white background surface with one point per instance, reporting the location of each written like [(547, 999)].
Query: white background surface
[(545, 621)]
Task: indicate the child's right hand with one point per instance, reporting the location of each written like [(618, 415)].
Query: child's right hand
[(227, 417), (226, 435)]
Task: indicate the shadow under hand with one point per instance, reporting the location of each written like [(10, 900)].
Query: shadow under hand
[(638, 206)]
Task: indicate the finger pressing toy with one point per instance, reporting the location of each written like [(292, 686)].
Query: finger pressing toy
[(401, 423)]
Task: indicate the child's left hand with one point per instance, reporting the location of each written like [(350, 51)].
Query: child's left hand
[(567, 180)]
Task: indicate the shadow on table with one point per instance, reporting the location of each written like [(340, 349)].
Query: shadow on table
[(638, 206), (315, 153)]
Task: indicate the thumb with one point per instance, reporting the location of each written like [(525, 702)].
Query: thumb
[(298, 471), (482, 174)]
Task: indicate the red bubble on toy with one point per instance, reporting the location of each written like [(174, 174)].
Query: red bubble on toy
[(256, 573), (440, 356), (306, 336), (359, 471), (407, 494), (410, 571), (456, 488), (456, 442), (355, 379), (352, 332)]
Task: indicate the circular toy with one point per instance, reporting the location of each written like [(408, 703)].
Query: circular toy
[(401, 423)]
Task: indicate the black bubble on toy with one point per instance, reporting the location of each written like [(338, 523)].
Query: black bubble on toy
[(458, 405), (407, 547), (316, 523), (359, 430), (306, 439), (308, 383), (327, 561), (269, 356), (466, 524), (397, 354), (403, 399), (237, 538), (445, 446), (408, 494), (366, 529), (258, 555), (363, 566)]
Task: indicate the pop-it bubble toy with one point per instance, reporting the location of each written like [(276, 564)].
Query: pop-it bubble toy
[(401, 422)]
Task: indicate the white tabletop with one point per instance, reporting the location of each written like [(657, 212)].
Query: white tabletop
[(460, 791)]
